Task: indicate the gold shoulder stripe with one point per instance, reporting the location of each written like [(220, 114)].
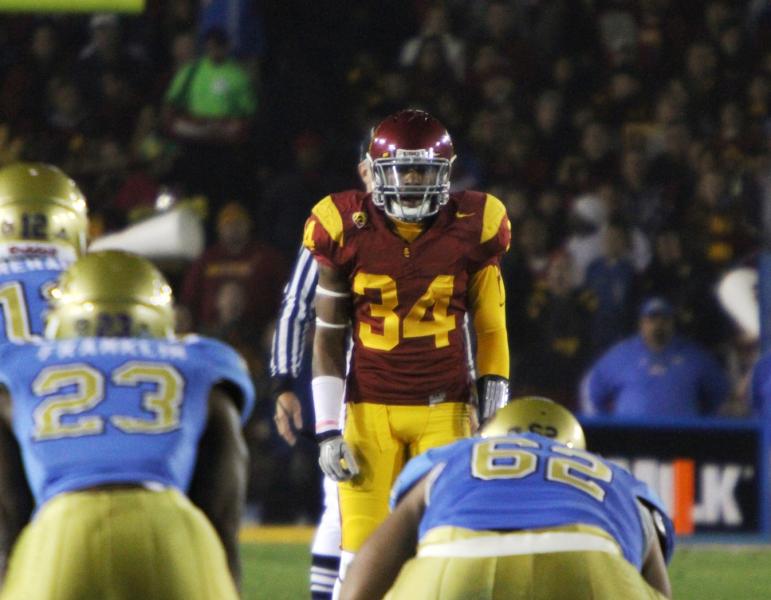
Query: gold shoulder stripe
[(329, 217), (494, 213)]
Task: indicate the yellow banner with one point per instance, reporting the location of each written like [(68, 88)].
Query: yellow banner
[(71, 6)]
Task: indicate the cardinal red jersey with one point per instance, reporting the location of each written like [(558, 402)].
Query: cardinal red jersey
[(409, 298)]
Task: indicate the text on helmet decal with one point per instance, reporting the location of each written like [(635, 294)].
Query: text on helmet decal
[(422, 153)]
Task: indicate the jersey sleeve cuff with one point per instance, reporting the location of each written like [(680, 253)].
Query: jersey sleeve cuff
[(280, 384)]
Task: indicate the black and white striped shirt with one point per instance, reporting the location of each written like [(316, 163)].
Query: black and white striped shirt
[(292, 325)]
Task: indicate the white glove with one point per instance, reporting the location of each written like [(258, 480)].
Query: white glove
[(337, 460)]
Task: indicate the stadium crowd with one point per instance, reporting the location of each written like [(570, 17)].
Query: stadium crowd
[(627, 140)]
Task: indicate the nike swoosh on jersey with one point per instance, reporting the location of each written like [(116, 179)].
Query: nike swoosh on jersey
[(462, 215)]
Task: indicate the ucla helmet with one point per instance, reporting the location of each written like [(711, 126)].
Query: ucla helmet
[(42, 212), (110, 294), (535, 414)]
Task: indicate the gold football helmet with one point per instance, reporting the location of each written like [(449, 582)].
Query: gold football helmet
[(110, 294), (42, 212), (535, 414)]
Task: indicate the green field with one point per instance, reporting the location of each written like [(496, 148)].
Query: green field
[(280, 572)]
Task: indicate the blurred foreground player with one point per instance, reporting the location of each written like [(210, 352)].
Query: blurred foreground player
[(44, 229), (522, 512), (116, 420)]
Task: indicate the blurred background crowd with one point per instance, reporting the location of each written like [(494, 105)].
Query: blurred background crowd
[(629, 141)]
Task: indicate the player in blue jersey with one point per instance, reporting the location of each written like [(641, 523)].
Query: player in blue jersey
[(131, 442), (522, 512), (43, 229)]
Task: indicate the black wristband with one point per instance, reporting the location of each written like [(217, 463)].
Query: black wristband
[(280, 384), (320, 437)]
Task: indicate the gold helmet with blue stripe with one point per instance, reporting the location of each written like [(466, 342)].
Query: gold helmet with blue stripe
[(111, 294), (536, 414), (42, 212)]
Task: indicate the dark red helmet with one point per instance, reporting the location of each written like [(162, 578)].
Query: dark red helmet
[(410, 154)]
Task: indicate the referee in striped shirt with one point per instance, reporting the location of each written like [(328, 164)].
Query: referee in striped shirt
[(289, 339)]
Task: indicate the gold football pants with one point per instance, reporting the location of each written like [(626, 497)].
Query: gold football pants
[(589, 574), (383, 437), (119, 544)]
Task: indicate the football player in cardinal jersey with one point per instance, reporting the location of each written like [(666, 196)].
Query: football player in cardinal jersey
[(43, 227), (402, 266)]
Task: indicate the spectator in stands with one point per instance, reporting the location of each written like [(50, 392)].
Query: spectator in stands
[(686, 282), (550, 206), (436, 24), (551, 134), (523, 268), (597, 151), (588, 221), (641, 202), (701, 82), (236, 256), (67, 124), (431, 75), (118, 104), (209, 107), (655, 373), (108, 51), (515, 200), (289, 197), (234, 325), (151, 156), (243, 24), (758, 98), (717, 222), (555, 335), (499, 28), (11, 145), (626, 102), (23, 92), (611, 278)]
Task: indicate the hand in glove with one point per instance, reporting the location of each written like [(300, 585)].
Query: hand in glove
[(336, 459)]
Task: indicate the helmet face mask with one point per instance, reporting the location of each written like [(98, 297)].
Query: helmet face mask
[(110, 294), (411, 189), (106, 320), (410, 156)]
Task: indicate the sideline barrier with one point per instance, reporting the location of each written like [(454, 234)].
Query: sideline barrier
[(276, 534), (712, 474)]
